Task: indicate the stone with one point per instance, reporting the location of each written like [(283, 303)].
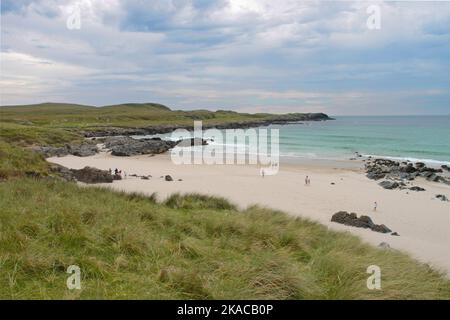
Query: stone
[(389, 184), (351, 219), (92, 175), (168, 178), (416, 188)]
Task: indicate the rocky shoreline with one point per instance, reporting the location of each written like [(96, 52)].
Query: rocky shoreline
[(161, 129), (399, 175)]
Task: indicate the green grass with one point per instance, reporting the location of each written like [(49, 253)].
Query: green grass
[(60, 115), (194, 247), (16, 161)]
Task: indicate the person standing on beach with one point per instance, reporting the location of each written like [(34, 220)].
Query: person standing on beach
[(262, 173), (306, 181)]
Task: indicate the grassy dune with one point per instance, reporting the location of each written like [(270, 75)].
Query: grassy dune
[(194, 247)]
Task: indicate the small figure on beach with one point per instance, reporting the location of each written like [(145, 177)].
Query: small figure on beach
[(262, 173), (375, 205), (307, 181)]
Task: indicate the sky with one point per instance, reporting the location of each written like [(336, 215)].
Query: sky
[(340, 57)]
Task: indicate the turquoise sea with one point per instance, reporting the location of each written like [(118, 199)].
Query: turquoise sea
[(425, 138), (414, 138)]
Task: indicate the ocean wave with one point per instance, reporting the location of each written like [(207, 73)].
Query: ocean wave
[(411, 159)]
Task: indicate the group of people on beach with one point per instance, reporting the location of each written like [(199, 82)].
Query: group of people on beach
[(118, 172)]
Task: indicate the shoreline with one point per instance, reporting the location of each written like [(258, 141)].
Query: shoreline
[(422, 221)]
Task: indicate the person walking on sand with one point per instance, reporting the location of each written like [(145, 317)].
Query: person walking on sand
[(375, 205), (262, 173)]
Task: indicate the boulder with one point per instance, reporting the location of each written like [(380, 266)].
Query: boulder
[(351, 219), (381, 228), (389, 184), (416, 188), (127, 146), (79, 150), (92, 175), (168, 178), (420, 165)]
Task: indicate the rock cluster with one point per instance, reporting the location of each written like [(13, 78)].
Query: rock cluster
[(79, 150), (441, 197), (351, 219), (397, 173), (127, 146), (93, 175), (156, 129)]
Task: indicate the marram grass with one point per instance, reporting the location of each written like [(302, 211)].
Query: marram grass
[(129, 246)]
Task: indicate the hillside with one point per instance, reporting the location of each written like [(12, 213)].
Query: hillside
[(190, 247), (124, 115)]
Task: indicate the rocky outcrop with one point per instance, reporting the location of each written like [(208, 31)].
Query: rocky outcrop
[(168, 178), (127, 146), (351, 219), (157, 129), (79, 150), (93, 175), (62, 172), (397, 173)]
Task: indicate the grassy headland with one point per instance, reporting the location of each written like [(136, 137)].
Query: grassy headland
[(199, 247)]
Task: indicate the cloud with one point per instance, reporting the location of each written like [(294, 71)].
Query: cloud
[(241, 54)]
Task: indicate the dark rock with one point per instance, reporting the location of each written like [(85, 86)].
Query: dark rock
[(351, 219), (408, 168), (395, 234), (62, 172), (441, 197), (92, 175), (126, 146), (389, 184), (420, 165), (416, 188), (375, 175), (445, 167), (145, 178), (381, 228), (168, 178), (79, 150), (83, 150)]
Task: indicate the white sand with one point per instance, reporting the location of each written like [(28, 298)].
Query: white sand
[(422, 221)]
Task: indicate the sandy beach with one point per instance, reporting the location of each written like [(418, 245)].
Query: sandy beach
[(422, 221)]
